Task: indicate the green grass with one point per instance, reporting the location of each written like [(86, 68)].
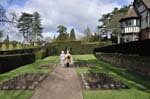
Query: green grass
[(139, 88), (116, 94), (30, 68), (20, 94)]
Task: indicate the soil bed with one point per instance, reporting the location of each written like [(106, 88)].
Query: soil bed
[(82, 65), (28, 81), (47, 66), (101, 81)]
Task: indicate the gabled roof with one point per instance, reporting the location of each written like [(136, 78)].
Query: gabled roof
[(131, 13), (147, 3)]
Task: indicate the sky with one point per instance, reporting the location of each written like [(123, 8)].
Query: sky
[(77, 14)]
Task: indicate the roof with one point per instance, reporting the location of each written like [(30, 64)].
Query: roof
[(131, 13), (147, 3)]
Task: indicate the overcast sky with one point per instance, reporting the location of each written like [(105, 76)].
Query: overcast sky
[(77, 14)]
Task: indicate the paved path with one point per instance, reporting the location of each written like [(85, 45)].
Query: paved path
[(63, 83)]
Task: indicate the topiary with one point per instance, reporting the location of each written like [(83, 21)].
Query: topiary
[(35, 45), (18, 46), (4, 47), (10, 47)]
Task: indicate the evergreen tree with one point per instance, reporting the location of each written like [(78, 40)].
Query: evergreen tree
[(87, 31), (72, 35), (37, 27), (87, 35), (25, 26), (6, 40), (63, 36), (30, 26), (1, 35), (54, 38)]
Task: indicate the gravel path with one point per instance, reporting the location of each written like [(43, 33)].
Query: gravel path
[(63, 83)]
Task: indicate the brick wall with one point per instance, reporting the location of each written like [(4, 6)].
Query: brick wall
[(138, 64)]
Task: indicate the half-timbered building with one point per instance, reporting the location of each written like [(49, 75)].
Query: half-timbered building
[(135, 25)]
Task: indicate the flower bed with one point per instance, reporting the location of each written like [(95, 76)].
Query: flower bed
[(47, 66), (100, 81), (82, 65), (28, 81)]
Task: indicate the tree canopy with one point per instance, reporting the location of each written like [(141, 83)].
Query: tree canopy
[(63, 35), (62, 29), (30, 26), (37, 27), (110, 22)]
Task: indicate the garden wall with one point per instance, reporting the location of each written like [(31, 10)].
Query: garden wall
[(9, 62), (139, 64)]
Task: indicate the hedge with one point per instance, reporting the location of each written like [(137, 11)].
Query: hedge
[(19, 51), (76, 47), (141, 48), (40, 54), (9, 62)]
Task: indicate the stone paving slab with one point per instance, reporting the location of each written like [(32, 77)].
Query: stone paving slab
[(63, 83)]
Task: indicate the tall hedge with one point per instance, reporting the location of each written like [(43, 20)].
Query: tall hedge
[(19, 51), (141, 48), (76, 47), (9, 62), (40, 54)]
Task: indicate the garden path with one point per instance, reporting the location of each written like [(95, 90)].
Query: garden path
[(63, 83)]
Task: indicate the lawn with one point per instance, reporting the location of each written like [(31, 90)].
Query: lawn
[(139, 88), (30, 68)]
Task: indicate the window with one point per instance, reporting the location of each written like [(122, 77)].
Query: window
[(134, 22), (148, 18)]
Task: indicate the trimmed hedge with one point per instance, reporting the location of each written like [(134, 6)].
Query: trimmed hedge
[(40, 54), (141, 48), (76, 47), (19, 51), (10, 62)]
